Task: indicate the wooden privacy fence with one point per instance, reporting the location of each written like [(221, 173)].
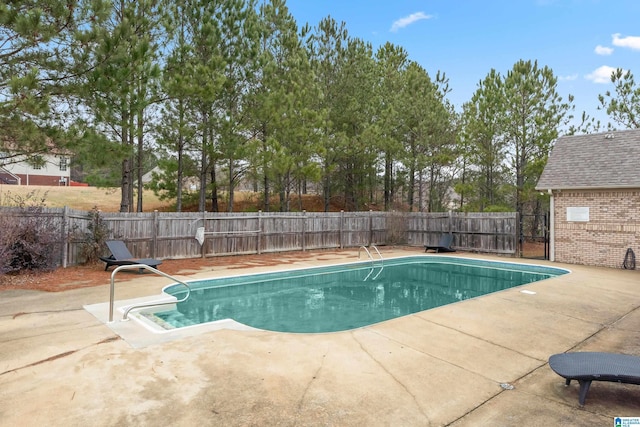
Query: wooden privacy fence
[(167, 235), (473, 232)]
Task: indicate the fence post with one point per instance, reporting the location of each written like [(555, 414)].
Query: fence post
[(518, 236), (304, 229), (65, 231), (341, 237), (370, 227), (203, 247), (154, 235), (259, 238)]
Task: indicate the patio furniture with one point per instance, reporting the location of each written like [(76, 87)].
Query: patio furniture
[(120, 255), (586, 367), (443, 246)]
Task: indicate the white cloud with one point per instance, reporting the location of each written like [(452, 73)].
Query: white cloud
[(629, 41), (601, 74), (568, 78), (603, 50), (408, 20)]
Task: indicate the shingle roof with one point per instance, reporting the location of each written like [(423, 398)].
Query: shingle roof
[(602, 160)]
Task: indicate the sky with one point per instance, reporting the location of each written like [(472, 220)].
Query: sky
[(582, 41)]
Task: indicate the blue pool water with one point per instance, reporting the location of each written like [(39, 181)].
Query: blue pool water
[(348, 296)]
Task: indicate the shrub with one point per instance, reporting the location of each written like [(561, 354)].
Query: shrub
[(93, 241), (30, 239)]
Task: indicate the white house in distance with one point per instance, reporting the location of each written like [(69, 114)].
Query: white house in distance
[(48, 169)]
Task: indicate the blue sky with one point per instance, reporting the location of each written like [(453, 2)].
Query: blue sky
[(582, 41)]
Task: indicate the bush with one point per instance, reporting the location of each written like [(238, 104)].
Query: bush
[(30, 239), (94, 240)]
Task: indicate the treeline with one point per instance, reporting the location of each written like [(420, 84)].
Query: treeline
[(235, 91)]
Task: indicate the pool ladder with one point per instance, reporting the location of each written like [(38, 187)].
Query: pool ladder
[(146, 304), (373, 264)]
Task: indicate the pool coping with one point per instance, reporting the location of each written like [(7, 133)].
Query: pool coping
[(139, 331)]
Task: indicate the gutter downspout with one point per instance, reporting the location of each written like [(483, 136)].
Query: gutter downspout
[(552, 228)]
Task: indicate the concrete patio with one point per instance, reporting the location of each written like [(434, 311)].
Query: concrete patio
[(60, 365)]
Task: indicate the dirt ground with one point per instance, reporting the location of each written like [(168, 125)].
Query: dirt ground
[(533, 250), (83, 276)]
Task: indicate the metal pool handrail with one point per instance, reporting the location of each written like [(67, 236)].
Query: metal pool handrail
[(141, 305), (369, 253), (373, 265)]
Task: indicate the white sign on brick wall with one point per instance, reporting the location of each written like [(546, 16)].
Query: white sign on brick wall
[(578, 214)]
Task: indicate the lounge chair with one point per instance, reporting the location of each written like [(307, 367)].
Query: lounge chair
[(443, 246), (120, 255), (588, 366)]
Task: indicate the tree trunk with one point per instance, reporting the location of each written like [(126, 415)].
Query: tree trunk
[(140, 159), (265, 169), (231, 184), (202, 201), (214, 191), (326, 190), (125, 185), (180, 172), (412, 184), (388, 177)]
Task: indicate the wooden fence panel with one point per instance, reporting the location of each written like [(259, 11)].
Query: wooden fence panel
[(228, 233), (78, 225), (166, 235), (426, 228), (281, 232), (477, 231), (353, 225), (175, 235), (323, 230), (485, 232)]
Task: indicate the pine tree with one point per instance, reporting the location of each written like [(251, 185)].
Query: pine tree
[(122, 86), (239, 34), (326, 45), (354, 116), (392, 62), (283, 122), (624, 106), (486, 147), (37, 70), (428, 135)]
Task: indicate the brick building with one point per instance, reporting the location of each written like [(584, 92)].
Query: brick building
[(46, 169), (594, 183)]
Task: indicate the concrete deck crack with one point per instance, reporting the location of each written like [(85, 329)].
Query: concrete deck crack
[(602, 328), (59, 356), (478, 338), (313, 378), (78, 325), (400, 383), (26, 313)]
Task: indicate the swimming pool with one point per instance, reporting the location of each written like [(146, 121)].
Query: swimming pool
[(343, 297)]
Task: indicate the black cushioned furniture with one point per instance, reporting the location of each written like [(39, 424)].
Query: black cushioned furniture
[(443, 246), (586, 367), (120, 255)]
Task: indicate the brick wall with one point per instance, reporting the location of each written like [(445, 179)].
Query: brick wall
[(613, 227), (41, 180)]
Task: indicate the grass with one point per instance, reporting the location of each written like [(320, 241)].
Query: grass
[(82, 198)]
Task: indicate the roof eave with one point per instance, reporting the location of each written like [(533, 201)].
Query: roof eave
[(588, 187)]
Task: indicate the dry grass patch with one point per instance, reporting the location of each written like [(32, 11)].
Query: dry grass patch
[(81, 198)]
